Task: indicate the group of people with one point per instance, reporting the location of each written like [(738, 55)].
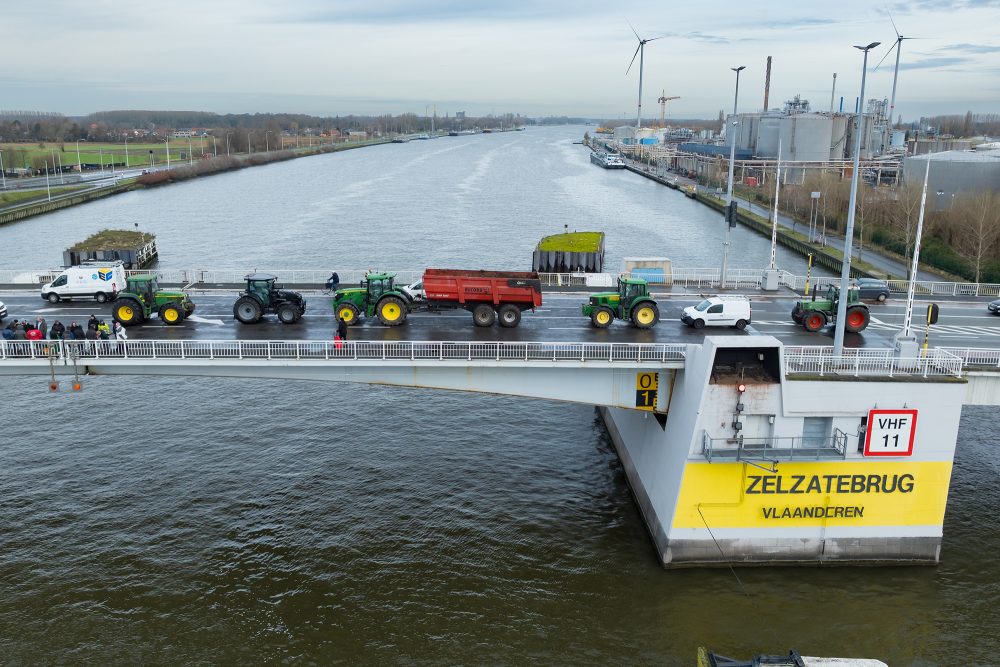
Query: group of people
[(97, 329)]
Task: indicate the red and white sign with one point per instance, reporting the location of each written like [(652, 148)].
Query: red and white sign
[(890, 432)]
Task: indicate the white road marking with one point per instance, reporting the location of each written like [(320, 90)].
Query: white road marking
[(203, 320)]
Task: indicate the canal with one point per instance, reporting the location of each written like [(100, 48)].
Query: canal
[(181, 521)]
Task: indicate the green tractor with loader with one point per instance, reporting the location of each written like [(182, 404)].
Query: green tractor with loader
[(631, 303), (142, 297), (816, 313)]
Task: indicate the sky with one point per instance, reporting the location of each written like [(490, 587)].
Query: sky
[(533, 57)]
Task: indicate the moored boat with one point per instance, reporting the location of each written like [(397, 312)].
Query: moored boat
[(607, 160)]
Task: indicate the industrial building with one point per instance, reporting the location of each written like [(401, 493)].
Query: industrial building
[(954, 172)]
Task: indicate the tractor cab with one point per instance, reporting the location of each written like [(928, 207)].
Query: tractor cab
[(377, 284), (630, 289), (143, 286), (260, 286)]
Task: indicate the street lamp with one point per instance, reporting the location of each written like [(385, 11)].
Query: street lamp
[(190, 151), (845, 271), (215, 147), (249, 145), (126, 151), (167, 142), (729, 188), (78, 163), (267, 144), (228, 134)]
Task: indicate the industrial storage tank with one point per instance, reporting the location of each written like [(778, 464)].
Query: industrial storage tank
[(840, 147), (767, 136), (806, 137)]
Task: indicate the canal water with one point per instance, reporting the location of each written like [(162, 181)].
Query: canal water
[(211, 521)]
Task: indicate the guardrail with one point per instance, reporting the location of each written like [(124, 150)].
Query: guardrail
[(869, 362), (791, 448), (72, 350)]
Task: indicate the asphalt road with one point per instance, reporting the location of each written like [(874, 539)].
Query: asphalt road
[(961, 324)]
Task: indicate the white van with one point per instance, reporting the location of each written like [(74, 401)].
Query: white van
[(93, 280), (719, 311)]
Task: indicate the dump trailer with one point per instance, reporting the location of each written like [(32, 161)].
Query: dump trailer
[(491, 296)]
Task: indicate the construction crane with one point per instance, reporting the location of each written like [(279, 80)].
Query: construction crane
[(663, 106)]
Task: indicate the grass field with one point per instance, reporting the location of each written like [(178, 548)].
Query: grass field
[(11, 198), (572, 242)]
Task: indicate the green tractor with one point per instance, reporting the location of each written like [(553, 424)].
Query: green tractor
[(631, 302), (142, 297), (815, 314), (378, 296), (262, 296)]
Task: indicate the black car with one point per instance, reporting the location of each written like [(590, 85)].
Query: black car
[(994, 307), (872, 288)]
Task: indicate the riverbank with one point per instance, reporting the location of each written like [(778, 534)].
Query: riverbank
[(203, 167)]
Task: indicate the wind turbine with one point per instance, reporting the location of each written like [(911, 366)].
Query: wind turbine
[(895, 75), (639, 51)]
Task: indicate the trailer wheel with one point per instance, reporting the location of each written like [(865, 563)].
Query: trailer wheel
[(127, 312), (483, 315), (857, 319), (645, 315), (247, 310), (171, 314), (602, 317), (288, 313), (391, 311), (509, 315), (813, 322)]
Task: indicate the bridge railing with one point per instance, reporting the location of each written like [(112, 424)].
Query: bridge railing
[(869, 362), (975, 357), (333, 350)]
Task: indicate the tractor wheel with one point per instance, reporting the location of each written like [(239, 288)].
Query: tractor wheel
[(509, 315), (288, 313), (483, 315), (602, 317), (797, 314), (101, 297), (127, 312), (349, 313), (247, 310), (391, 311), (857, 319), (171, 314), (741, 324), (814, 321), (645, 315), (53, 297)]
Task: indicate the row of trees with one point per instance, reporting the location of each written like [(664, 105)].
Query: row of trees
[(115, 125), (968, 125), (962, 239)]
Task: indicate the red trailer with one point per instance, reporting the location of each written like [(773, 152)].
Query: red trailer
[(489, 295)]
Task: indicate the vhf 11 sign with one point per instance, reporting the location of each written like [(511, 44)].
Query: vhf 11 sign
[(890, 432)]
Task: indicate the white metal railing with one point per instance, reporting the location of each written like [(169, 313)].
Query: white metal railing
[(788, 448), (869, 362), (333, 350), (975, 357), (686, 277)]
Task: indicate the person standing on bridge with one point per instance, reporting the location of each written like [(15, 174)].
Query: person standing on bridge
[(341, 334)]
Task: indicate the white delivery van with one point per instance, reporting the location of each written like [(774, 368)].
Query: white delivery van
[(718, 311), (93, 280)]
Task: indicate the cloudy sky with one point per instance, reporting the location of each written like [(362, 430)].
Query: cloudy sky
[(535, 57)]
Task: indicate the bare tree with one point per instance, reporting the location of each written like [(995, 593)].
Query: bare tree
[(978, 227), (904, 213)]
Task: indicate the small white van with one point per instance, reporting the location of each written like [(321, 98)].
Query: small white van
[(719, 311), (93, 280)]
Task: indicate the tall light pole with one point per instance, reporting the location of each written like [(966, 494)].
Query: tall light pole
[(215, 147), (249, 145), (732, 170), (228, 134), (3, 175), (167, 142), (79, 164), (267, 143), (190, 151), (126, 151), (845, 271)]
